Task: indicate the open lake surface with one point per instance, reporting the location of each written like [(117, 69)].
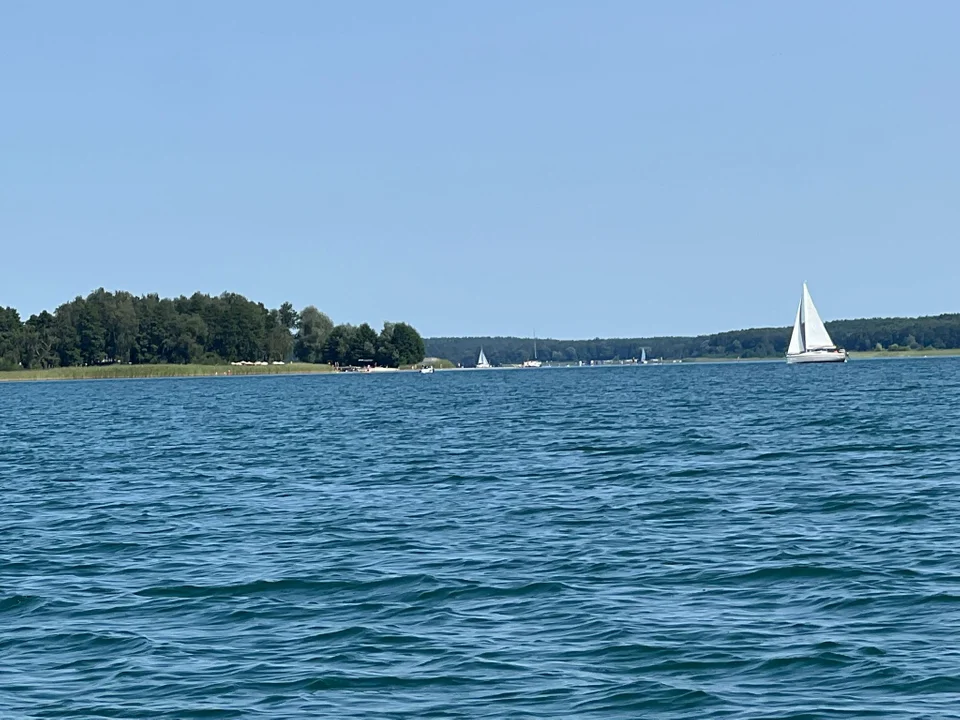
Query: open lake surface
[(696, 541)]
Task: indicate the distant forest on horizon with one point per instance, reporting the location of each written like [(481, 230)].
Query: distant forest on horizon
[(893, 334)]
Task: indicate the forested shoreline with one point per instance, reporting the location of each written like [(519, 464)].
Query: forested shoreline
[(886, 334), (109, 328)]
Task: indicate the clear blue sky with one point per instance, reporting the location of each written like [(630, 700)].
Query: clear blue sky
[(579, 168)]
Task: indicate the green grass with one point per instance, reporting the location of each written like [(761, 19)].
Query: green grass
[(106, 372)]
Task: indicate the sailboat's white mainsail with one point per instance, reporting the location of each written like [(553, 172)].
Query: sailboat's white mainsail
[(796, 340), (643, 354), (809, 332), (482, 360), (815, 335)]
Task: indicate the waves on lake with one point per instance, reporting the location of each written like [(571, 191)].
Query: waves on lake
[(710, 541)]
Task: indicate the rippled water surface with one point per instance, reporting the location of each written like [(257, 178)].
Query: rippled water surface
[(711, 541)]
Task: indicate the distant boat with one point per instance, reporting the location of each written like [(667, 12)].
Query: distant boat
[(643, 356), (482, 360), (810, 342), (533, 363), (426, 370)]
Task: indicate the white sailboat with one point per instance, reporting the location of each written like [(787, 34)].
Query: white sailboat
[(482, 361), (533, 363), (810, 342), (643, 356)]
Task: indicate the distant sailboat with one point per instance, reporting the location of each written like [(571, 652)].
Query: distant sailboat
[(643, 356), (810, 342), (533, 363), (482, 360)]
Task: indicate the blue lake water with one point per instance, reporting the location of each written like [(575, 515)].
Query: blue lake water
[(709, 541)]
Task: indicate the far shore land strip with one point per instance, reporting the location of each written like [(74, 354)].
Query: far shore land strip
[(121, 335), (159, 371)]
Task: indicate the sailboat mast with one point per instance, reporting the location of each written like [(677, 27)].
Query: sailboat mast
[(803, 319)]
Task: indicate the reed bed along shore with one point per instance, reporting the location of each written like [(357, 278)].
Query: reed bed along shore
[(105, 372)]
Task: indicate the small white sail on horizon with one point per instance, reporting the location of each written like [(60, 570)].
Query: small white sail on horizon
[(810, 341), (482, 360), (643, 355)]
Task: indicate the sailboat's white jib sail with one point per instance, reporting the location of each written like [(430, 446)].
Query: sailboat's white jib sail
[(810, 341), (796, 340)]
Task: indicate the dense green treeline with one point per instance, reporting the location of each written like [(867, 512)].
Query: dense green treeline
[(106, 328), (940, 332)]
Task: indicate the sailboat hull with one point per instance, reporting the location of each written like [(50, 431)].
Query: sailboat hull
[(817, 356)]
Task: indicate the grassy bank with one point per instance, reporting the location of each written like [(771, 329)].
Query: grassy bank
[(106, 372)]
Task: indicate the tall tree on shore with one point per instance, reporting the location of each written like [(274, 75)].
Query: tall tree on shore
[(340, 342), (279, 340), (409, 344), (11, 339), (289, 317), (387, 354), (312, 335), (363, 345), (66, 330), (93, 337), (39, 342), (121, 325)]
